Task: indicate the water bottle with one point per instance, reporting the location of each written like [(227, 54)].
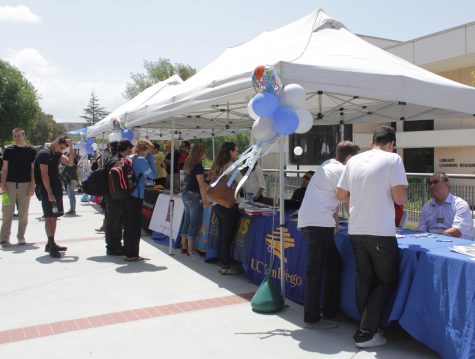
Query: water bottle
[(250, 196), (5, 199), (54, 208)]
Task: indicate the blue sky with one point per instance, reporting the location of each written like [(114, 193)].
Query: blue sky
[(68, 48)]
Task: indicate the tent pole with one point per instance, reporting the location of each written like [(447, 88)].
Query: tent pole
[(212, 141), (282, 214), (342, 131), (171, 205)]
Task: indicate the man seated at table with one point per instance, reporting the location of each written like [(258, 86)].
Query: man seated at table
[(445, 213), (299, 193)]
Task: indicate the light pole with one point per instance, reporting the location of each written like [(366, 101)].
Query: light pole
[(298, 152)]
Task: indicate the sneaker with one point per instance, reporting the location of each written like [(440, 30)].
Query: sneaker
[(5, 243), (57, 248), (321, 324), (55, 254), (101, 229), (22, 242), (70, 213), (194, 255), (376, 341)]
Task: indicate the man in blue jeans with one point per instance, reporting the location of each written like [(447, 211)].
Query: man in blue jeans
[(372, 182)]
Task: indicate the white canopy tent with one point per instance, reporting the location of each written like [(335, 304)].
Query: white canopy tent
[(105, 125), (347, 80), (345, 77)]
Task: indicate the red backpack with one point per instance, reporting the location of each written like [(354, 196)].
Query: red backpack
[(122, 181)]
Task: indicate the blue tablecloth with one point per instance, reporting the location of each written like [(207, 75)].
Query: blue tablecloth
[(440, 308), (435, 296)]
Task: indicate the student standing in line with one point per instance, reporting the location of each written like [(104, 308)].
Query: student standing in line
[(143, 167), (227, 217), (194, 198), (372, 182)]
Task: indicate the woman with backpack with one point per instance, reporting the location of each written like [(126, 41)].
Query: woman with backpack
[(194, 198), (143, 167)]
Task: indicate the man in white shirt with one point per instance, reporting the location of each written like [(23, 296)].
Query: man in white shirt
[(255, 184), (445, 213), (372, 181), (318, 219)]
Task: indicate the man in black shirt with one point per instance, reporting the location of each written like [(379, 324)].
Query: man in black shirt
[(49, 187), (299, 193), (17, 180), (168, 162)]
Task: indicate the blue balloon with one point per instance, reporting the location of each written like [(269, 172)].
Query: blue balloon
[(265, 104), (89, 141), (128, 134), (285, 121)]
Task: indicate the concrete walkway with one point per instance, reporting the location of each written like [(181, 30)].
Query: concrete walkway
[(89, 305)]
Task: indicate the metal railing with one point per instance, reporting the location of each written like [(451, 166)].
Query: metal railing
[(418, 191)]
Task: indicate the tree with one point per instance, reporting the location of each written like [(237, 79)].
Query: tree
[(44, 129), (18, 101), (242, 141), (94, 112), (156, 71)]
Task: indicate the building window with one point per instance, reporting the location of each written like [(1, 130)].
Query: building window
[(318, 144), (419, 160), (422, 125)]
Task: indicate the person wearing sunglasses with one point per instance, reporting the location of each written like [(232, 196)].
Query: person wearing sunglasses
[(299, 193), (445, 213)]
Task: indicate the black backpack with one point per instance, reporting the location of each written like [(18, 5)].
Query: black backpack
[(122, 181), (96, 183)]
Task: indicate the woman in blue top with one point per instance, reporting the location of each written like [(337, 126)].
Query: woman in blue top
[(194, 198), (143, 167)]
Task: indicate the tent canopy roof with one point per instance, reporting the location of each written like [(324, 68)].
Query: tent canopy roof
[(345, 78), (105, 125)]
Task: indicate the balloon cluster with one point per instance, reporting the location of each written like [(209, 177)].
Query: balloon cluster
[(277, 109), (122, 134), (86, 146)]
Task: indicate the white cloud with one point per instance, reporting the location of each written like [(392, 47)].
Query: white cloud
[(20, 13), (62, 97), (31, 62)]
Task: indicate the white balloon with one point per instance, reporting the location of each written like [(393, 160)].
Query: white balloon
[(305, 120), (262, 129), (137, 136), (292, 95), (82, 148), (251, 112), (115, 136)]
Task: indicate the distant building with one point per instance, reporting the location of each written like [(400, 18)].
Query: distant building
[(426, 146)]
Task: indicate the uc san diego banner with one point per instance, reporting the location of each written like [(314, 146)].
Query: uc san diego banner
[(263, 238)]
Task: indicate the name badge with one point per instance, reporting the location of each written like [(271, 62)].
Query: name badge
[(439, 220)]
